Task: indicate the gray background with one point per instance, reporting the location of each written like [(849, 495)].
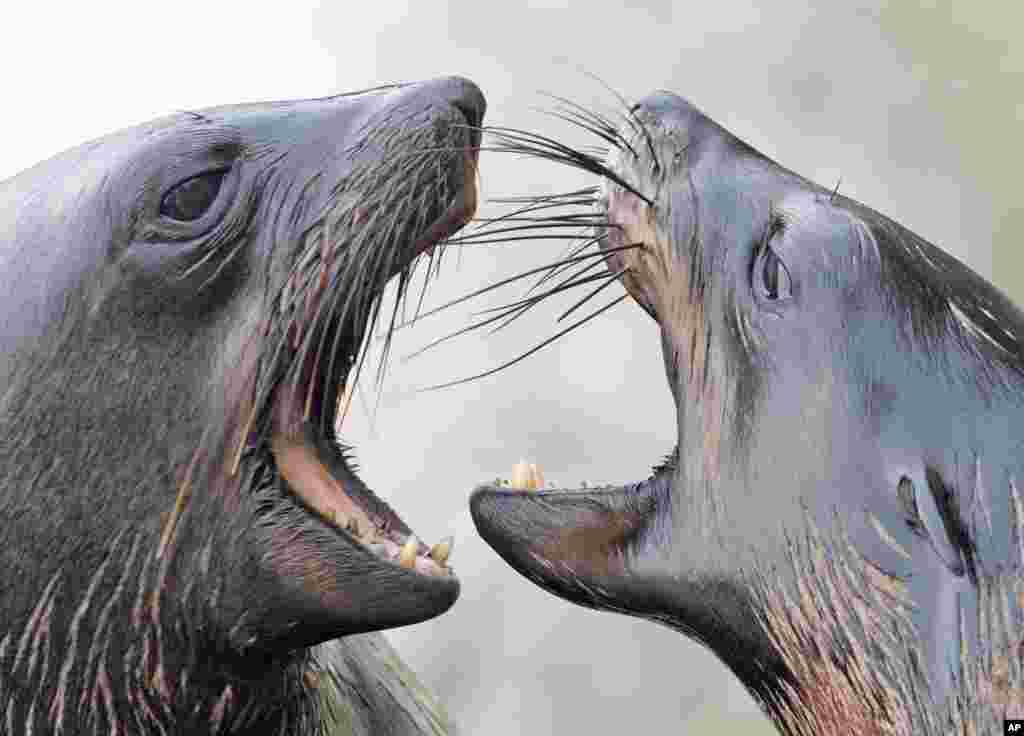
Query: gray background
[(917, 106)]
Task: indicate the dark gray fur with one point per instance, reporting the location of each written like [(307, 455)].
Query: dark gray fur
[(157, 574)]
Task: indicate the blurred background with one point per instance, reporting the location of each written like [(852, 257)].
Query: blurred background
[(916, 108)]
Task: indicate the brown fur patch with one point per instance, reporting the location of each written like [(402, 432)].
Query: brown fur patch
[(659, 277), (297, 560), (593, 546), (847, 638)]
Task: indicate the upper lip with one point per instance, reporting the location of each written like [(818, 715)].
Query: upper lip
[(304, 452)]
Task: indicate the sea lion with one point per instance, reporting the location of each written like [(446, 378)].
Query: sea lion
[(840, 521), (183, 303)]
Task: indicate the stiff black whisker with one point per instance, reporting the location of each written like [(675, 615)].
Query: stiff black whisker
[(569, 117), (609, 279), (532, 300), (570, 200), (569, 253), (385, 267), (598, 152), (590, 191), (541, 224), (592, 117), (648, 138), (835, 191), (536, 145), (436, 263), (509, 317), (538, 215), (423, 290), (630, 116), (403, 277), (517, 309), (581, 219), (526, 274), (446, 338), (516, 239), (350, 312), (531, 351), (357, 372), (596, 118), (592, 121), (512, 279), (491, 225)]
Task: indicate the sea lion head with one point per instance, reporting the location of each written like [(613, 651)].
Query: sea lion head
[(849, 406), (183, 304)]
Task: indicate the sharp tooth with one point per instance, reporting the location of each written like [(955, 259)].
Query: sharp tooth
[(520, 475), (407, 557), (527, 476), (439, 552), (352, 527)]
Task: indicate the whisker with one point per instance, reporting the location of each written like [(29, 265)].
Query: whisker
[(592, 121), (631, 118), (451, 335), (573, 119), (596, 117), (550, 292), (610, 279), (531, 198), (537, 145), (570, 283), (517, 310), (518, 277), (531, 351), (511, 315), (569, 253)]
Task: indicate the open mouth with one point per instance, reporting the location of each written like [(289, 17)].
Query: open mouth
[(322, 355), (582, 544)]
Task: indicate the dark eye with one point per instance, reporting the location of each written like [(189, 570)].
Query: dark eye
[(775, 280), (189, 200)]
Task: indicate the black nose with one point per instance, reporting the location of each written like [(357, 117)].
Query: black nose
[(463, 95), (672, 113), (666, 106)]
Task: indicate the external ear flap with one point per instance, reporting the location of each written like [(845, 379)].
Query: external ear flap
[(933, 508)]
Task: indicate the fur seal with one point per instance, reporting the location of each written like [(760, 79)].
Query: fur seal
[(840, 522), (183, 303)]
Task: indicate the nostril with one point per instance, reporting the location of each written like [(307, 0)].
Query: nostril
[(469, 112), (467, 98)]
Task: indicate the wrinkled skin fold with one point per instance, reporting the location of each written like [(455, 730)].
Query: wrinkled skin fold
[(183, 304), (840, 513)]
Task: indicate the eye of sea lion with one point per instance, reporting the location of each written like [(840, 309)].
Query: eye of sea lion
[(770, 278), (190, 199), (776, 283)]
